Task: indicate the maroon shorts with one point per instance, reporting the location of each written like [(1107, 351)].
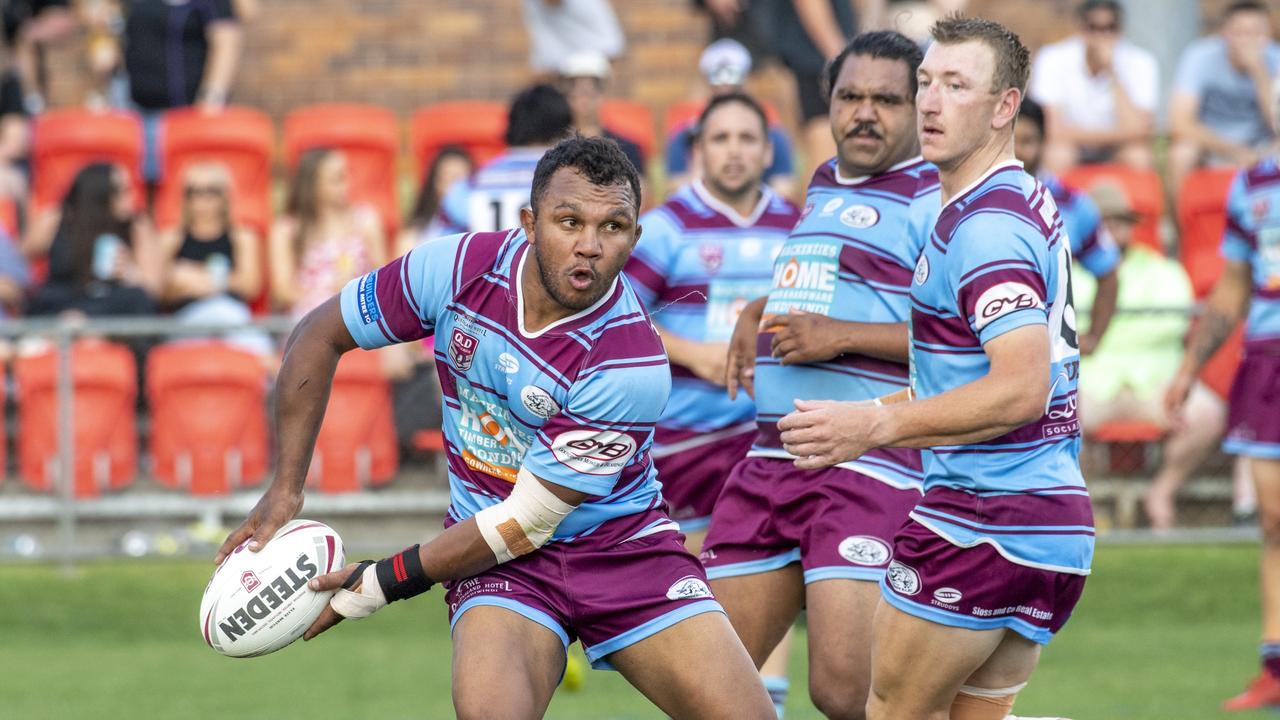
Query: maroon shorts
[(1253, 422), (836, 523), (693, 473), (610, 597), (976, 588)]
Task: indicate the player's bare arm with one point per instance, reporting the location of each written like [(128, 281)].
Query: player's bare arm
[(1226, 306), (1104, 308), (740, 366), (302, 393), (802, 337), (1011, 395), (704, 359)]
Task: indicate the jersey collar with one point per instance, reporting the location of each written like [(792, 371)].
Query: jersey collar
[(766, 196), (517, 282), (863, 178), (1003, 165)]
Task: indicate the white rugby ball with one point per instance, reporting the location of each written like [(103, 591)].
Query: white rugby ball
[(256, 603)]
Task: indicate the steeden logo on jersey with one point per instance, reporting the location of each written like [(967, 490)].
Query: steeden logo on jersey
[(831, 207)]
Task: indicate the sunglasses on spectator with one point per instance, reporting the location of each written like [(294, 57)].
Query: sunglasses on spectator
[(206, 190), (1107, 28)]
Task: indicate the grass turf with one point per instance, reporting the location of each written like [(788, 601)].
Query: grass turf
[(1163, 633)]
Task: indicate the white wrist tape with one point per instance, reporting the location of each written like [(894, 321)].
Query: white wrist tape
[(524, 521), (366, 599)]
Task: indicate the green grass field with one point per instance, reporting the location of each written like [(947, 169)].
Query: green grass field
[(1163, 633)]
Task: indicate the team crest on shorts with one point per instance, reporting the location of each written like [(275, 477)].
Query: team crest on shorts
[(903, 579), (539, 401), (462, 349), (864, 550), (688, 588)]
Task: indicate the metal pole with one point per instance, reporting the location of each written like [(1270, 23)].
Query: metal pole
[(66, 452)]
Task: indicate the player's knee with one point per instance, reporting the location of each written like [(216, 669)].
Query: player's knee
[(838, 703), (485, 706)]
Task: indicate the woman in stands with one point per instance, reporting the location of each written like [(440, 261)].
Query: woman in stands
[(104, 257), (212, 267), (450, 165), (324, 239)]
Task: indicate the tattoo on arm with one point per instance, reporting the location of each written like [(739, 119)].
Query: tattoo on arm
[(1215, 328)]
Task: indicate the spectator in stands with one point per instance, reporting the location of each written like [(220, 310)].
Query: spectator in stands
[(451, 165), (491, 199), (725, 64), (560, 28), (212, 266), (1098, 91), (582, 80), (1091, 241), (179, 53), (1221, 111), (1125, 378), (15, 276), (808, 34), (29, 27), (15, 139), (104, 257), (323, 240)]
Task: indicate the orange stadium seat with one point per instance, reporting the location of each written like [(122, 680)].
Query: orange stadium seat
[(1202, 218), (477, 126), (9, 217), (105, 387), (238, 137), (65, 140), (631, 120), (370, 138), (208, 416), (1142, 187), (357, 445)]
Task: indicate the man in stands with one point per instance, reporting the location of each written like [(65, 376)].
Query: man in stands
[(553, 378)]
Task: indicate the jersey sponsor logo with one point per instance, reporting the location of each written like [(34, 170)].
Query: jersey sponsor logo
[(538, 401), (462, 349), (249, 581), (947, 595), (490, 442), (1002, 299), (922, 269), (831, 207), (507, 363), (902, 578), (806, 275), (712, 257), (860, 216), (864, 550), (367, 299), (593, 452), (688, 588)]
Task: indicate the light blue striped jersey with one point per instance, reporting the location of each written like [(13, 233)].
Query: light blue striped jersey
[(492, 197), (1091, 243), (698, 263), (574, 403), (1253, 236), (850, 257), (998, 261)]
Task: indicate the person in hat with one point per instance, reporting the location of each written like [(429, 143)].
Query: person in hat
[(583, 76), (725, 64)]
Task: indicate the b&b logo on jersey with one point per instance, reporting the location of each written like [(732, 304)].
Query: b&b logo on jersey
[(462, 349)]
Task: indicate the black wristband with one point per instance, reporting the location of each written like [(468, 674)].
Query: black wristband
[(401, 575)]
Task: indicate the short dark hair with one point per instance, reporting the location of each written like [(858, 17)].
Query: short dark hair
[(600, 160), (1033, 113), (539, 115), (1240, 6), (1013, 60), (885, 44), (736, 96), (1089, 6)]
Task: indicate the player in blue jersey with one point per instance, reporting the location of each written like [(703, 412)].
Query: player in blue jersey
[(492, 198), (553, 378), (1091, 244), (1249, 289), (705, 254), (995, 555), (783, 539)]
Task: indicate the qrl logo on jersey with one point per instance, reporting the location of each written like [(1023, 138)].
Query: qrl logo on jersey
[(462, 349), (712, 257), (594, 452), (1004, 298)]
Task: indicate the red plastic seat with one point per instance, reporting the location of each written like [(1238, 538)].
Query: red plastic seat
[(1142, 187), (239, 138), (631, 120), (357, 445), (477, 126), (9, 217), (65, 140), (368, 135), (208, 416), (1202, 218), (105, 388)]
